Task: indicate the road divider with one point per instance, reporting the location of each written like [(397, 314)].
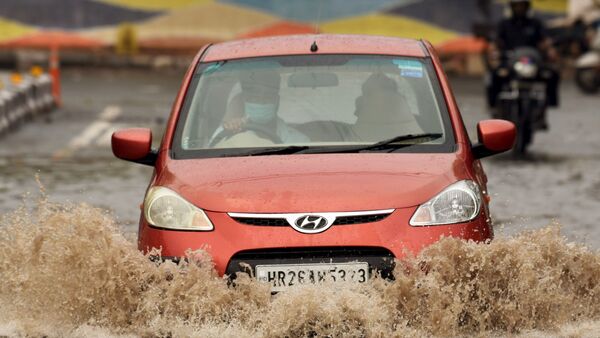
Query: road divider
[(23, 97)]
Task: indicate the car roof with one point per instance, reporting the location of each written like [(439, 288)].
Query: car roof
[(326, 43)]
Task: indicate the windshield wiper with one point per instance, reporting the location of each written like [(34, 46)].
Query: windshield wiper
[(274, 151), (385, 144), (390, 142)]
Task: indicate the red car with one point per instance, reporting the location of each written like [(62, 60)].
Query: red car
[(313, 157)]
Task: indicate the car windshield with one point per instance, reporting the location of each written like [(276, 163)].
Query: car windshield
[(315, 102)]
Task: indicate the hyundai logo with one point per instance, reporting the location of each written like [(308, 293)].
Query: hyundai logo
[(311, 224)]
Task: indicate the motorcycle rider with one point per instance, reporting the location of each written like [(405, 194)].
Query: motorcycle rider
[(521, 29)]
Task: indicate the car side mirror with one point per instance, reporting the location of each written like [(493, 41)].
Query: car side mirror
[(134, 145), (495, 136)]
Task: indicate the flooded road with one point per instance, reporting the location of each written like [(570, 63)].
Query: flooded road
[(72, 269), (70, 149), (559, 183)]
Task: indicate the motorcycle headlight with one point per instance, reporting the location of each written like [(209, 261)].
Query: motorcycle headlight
[(458, 203), (526, 70), (164, 208)]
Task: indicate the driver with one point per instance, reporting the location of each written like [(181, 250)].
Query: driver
[(256, 108)]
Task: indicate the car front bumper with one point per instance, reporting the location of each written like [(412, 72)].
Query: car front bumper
[(231, 242)]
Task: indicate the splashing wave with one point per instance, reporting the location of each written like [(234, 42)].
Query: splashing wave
[(66, 270)]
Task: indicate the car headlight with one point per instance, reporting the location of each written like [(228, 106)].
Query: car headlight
[(164, 208), (458, 203)]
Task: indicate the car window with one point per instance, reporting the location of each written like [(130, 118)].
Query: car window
[(314, 101)]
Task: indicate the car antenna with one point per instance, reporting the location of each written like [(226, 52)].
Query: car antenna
[(314, 47)]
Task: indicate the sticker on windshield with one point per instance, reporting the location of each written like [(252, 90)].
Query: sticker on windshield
[(409, 68)]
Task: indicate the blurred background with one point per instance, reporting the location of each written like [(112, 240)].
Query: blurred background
[(165, 33), (74, 71)]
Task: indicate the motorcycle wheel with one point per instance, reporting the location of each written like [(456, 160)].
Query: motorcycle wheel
[(524, 134), (524, 129), (587, 80)]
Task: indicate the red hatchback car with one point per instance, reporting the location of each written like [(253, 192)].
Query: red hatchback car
[(313, 157)]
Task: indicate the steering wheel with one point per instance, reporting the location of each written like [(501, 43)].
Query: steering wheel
[(259, 129)]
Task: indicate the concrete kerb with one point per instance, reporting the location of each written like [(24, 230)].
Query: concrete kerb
[(23, 100)]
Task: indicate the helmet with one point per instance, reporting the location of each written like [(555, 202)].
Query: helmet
[(520, 8)]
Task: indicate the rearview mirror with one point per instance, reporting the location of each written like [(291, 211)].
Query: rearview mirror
[(134, 145), (313, 80), (495, 136)]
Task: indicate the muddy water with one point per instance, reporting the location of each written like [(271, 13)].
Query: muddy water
[(65, 270)]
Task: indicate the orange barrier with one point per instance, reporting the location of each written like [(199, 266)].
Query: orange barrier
[(462, 45), (281, 28)]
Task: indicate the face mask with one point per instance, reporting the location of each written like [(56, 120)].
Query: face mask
[(260, 113)]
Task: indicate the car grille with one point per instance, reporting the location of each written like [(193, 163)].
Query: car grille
[(282, 222), (274, 222), (347, 220), (381, 260)]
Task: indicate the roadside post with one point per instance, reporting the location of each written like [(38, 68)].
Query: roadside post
[(54, 68)]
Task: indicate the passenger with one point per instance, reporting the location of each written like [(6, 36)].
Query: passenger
[(256, 108), (382, 112)]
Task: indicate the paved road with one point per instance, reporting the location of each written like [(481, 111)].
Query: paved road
[(70, 151)]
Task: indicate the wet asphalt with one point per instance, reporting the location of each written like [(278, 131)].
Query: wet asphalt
[(69, 150)]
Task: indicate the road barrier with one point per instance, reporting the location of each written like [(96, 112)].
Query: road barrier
[(23, 97)]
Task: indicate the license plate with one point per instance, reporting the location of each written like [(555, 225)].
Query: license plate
[(283, 276)]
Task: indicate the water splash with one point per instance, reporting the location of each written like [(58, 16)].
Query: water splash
[(66, 270)]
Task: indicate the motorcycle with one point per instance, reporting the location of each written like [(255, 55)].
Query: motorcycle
[(587, 68), (522, 99)]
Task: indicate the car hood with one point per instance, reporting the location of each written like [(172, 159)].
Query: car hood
[(312, 183)]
